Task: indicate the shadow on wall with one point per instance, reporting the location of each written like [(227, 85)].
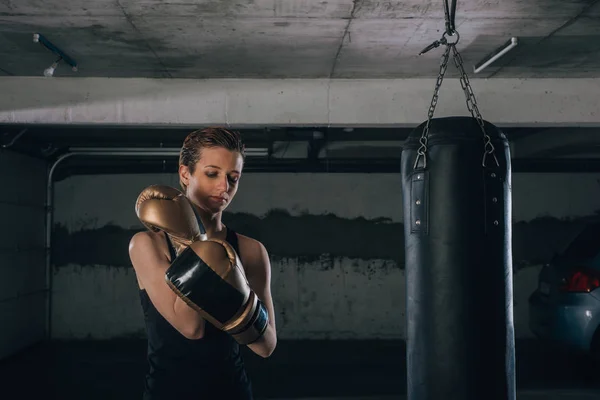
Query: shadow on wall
[(309, 238)]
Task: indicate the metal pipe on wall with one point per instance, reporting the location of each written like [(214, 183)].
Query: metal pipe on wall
[(95, 151)]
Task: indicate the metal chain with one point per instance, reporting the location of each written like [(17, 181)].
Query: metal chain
[(421, 152), (449, 13), (469, 95), (472, 105)]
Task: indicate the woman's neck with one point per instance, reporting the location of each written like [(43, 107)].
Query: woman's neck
[(212, 223)]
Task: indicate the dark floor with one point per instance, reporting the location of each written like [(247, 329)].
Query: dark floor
[(115, 369)]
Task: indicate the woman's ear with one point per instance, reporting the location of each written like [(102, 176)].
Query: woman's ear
[(184, 175)]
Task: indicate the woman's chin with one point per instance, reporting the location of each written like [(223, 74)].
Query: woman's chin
[(215, 208)]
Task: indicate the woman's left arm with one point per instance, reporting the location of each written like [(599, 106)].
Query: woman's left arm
[(258, 272)]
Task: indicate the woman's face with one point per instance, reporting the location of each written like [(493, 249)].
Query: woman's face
[(214, 182)]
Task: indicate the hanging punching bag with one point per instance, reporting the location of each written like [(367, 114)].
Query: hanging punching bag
[(457, 225)]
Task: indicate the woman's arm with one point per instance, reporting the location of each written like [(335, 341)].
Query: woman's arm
[(150, 265), (258, 271)]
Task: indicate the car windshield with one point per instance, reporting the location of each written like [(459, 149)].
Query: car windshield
[(586, 244)]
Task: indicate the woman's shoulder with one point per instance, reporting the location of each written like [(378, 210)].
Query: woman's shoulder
[(252, 250), (249, 242), (145, 240)]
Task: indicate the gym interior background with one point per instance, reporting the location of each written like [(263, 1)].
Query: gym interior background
[(326, 121), (333, 230)]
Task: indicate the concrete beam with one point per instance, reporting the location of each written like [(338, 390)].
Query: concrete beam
[(289, 102)]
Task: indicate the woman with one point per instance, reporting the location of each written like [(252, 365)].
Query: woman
[(190, 358)]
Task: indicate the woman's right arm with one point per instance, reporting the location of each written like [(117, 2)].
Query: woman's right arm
[(150, 266)]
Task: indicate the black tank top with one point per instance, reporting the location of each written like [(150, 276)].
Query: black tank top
[(184, 369)]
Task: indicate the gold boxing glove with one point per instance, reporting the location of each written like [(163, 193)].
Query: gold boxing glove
[(209, 277), (165, 208)]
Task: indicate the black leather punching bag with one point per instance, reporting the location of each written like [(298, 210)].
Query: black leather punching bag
[(457, 225)]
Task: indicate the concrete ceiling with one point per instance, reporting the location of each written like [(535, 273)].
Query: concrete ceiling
[(296, 38)]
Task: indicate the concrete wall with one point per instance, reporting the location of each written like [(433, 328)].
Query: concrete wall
[(335, 240), (22, 255)]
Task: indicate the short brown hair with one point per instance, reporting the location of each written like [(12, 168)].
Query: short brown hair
[(206, 138)]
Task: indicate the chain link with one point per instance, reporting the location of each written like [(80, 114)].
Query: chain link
[(472, 105), (421, 152), (469, 95)]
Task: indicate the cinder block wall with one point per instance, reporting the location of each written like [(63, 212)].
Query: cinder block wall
[(22, 254), (335, 241)]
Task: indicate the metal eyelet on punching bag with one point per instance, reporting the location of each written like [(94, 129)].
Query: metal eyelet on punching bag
[(456, 184)]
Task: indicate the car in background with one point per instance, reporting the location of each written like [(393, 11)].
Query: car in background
[(564, 309)]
